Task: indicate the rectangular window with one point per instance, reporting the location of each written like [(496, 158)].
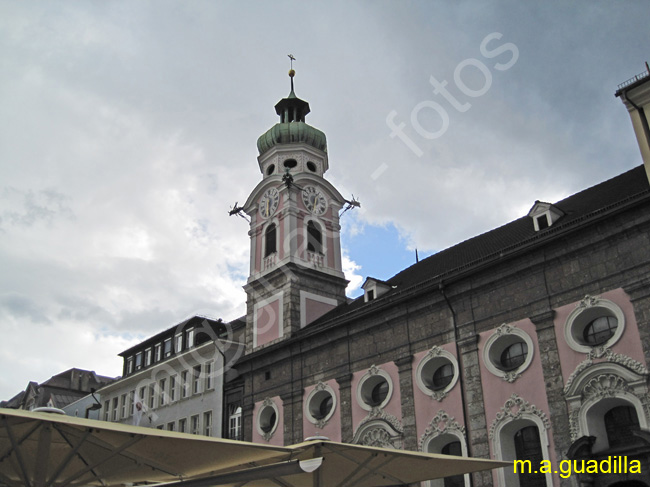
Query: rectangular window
[(171, 426), (182, 425), (172, 388), (123, 405), (160, 426), (167, 347), (147, 357), (107, 410), (194, 423), (234, 422), (152, 396), (138, 361), (161, 392), (143, 395), (184, 384), (132, 402), (129, 365), (207, 423), (196, 382), (208, 376), (115, 408), (189, 337), (158, 352), (178, 345)]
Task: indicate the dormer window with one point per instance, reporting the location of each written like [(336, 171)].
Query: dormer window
[(374, 288), (542, 222), (544, 215)]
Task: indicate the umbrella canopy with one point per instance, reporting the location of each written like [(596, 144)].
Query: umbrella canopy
[(42, 450), (46, 449), (320, 463)]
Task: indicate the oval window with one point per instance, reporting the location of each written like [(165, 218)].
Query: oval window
[(600, 330), (513, 356), (290, 163)]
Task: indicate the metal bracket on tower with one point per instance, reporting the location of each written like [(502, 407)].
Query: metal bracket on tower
[(353, 203), (239, 211)]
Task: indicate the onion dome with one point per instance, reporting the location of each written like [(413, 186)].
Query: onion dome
[(292, 127)]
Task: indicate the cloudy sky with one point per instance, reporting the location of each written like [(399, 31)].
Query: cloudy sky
[(128, 129)]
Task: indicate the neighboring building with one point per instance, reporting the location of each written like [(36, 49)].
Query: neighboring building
[(58, 391), (86, 407), (531, 341), (175, 379), (635, 94)]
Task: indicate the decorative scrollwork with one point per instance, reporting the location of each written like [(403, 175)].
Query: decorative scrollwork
[(373, 370), (609, 356), (588, 301), (378, 413), (441, 423), (434, 352), (377, 437), (504, 329), (515, 408), (605, 385)]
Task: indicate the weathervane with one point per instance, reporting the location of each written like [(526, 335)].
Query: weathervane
[(292, 72)]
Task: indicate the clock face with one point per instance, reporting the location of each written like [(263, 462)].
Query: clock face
[(314, 200), (269, 202)]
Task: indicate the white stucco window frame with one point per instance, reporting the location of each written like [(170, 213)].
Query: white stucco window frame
[(368, 382), (598, 389), (315, 398), (267, 407), (432, 361), (504, 336), (515, 414), (435, 444), (590, 308)]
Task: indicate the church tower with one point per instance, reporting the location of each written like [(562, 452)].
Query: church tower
[(296, 273)]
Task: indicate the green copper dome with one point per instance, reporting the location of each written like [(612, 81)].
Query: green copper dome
[(292, 127), (291, 132)]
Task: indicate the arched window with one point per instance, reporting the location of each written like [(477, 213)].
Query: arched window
[(314, 237), (453, 448), (270, 245), (620, 421), (529, 447)]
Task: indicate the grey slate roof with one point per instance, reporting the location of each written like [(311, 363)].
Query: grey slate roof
[(610, 195)]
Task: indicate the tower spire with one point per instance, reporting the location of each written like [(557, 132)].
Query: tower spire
[(292, 72)]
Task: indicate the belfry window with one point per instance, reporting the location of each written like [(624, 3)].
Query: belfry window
[(314, 237), (270, 245)]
